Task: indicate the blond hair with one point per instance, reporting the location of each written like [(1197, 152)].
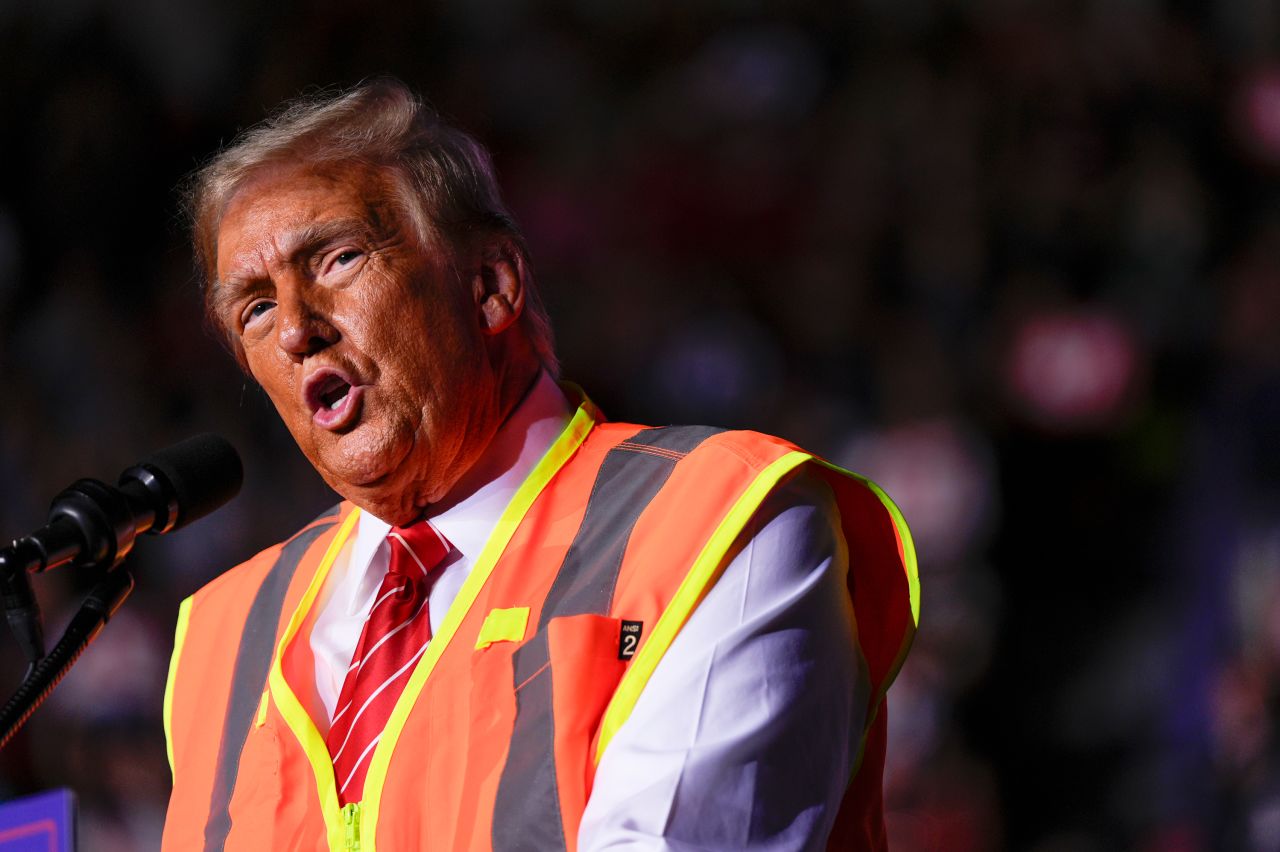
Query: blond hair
[(445, 177)]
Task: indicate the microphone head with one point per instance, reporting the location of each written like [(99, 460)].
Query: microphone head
[(200, 474)]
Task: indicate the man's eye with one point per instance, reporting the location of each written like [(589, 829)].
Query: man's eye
[(346, 257), (257, 309)]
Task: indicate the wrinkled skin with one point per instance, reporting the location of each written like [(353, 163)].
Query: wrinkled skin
[(323, 281)]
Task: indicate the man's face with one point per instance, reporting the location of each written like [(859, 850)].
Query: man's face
[(371, 344)]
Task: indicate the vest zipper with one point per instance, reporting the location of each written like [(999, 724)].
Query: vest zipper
[(351, 822)]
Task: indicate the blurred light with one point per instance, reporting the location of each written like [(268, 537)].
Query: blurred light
[(723, 370), (121, 676), (940, 474), (1072, 370), (758, 74), (1260, 108), (915, 728), (1241, 727), (1264, 823)]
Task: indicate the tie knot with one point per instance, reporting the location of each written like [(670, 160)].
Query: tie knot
[(416, 549)]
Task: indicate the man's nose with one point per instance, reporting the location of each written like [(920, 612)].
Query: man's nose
[(302, 326)]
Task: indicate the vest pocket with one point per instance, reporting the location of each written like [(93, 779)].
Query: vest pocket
[(257, 790), (585, 670)]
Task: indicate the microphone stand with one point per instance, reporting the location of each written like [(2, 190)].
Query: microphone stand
[(91, 524), (97, 609)]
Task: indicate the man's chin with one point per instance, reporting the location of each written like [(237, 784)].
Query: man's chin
[(365, 467), (395, 505)]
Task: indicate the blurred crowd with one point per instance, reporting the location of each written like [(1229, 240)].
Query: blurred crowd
[(1017, 262)]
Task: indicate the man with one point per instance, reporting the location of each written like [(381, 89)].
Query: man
[(523, 627)]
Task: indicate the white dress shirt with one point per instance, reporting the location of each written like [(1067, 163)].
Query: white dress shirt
[(746, 733)]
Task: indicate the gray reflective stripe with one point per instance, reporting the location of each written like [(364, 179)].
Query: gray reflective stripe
[(527, 812), (249, 678)]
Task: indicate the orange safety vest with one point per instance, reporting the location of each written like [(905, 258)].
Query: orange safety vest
[(494, 743)]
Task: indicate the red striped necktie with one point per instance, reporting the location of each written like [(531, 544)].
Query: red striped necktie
[(395, 636)]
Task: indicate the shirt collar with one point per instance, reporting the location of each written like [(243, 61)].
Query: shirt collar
[(474, 505)]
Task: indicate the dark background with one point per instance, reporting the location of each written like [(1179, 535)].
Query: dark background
[(1019, 263)]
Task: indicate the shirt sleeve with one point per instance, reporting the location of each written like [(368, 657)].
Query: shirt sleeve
[(746, 734)]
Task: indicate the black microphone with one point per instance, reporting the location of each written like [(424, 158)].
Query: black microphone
[(92, 523)]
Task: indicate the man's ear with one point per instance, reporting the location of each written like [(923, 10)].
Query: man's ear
[(500, 284)]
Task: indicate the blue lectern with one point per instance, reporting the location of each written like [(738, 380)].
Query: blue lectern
[(41, 823)]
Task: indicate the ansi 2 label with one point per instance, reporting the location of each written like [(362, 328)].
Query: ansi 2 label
[(629, 639)]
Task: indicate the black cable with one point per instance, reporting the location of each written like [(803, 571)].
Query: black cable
[(22, 610), (97, 609)]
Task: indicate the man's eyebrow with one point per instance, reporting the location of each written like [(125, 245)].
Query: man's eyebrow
[(294, 246), (308, 238), (223, 292)]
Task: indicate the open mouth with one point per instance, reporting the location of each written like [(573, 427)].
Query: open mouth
[(333, 391), (332, 398)]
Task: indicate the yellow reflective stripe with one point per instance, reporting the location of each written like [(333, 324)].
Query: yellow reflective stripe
[(559, 453), (908, 565), (179, 639), (503, 625), (295, 715), (691, 591), (904, 533)]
